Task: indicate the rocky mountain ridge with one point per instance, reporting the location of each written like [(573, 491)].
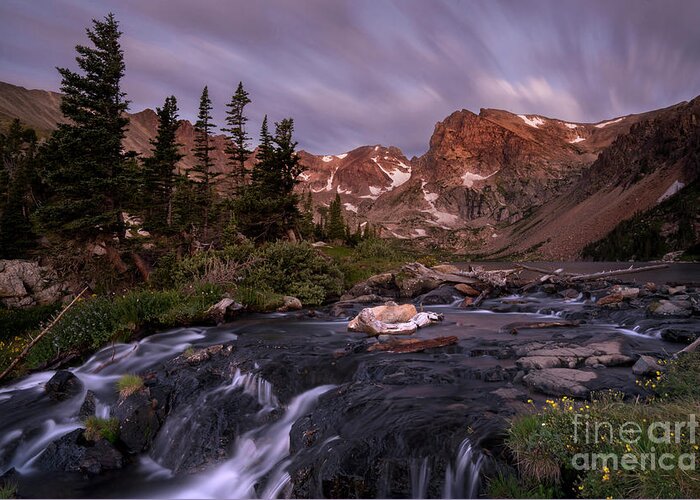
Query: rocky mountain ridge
[(494, 184)]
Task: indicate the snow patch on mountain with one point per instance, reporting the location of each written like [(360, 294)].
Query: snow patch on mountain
[(570, 125), (578, 139), (341, 157), (535, 121), (396, 175), (605, 124), (329, 183), (469, 178), (350, 207), (327, 158), (442, 219), (672, 189), (418, 233)]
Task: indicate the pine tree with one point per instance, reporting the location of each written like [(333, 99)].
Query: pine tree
[(268, 208), (237, 151), (159, 171), (17, 164), (336, 224), (83, 158), (202, 151)]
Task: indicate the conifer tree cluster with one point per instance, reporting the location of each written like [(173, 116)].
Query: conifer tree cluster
[(81, 186)]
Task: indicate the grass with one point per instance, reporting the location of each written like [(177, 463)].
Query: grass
[(508, 486), (8, 490), (97, 428), (581, 447), (99, 320), (129, 384)]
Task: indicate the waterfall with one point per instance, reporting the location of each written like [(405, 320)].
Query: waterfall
[(463, 479), (420, 478), (257, 455)]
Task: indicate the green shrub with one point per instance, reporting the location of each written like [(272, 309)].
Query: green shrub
[(376, 248), (97, 428), (509, 486), (295, 269), (20, 321), (547, 444), (129, 384), (259, 300)]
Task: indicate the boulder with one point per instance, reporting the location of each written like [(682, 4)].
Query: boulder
[(625, 291), (445, 294), (647, 366), (446, 268), (468, 290), (223, 310), (103, 456), (290, 304), (25, 283), (391, 320), (88, 408), (680, 335), (560, 382), (668, 308), (676, 290), (138, 422), (613, 298), (63, 385)]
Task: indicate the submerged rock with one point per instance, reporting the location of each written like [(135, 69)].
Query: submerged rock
[(63, 385), (73, 453), (138, 422)]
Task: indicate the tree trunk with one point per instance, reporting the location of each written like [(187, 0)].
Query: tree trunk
[(141, 265)]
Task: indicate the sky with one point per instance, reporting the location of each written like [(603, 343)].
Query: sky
[(356, 72)]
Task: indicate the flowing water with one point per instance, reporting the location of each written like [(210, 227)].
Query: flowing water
[(299, 401)]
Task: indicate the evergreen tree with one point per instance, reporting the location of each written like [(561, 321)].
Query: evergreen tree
[(17, 164), (268, 208), (237, 151), (159, 171), (306, 226), (203, 147), (336, 224), (83, 158)]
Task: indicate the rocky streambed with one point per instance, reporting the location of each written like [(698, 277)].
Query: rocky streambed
[(296, 405)]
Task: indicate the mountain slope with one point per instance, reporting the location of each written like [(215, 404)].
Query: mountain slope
[(493, 184)]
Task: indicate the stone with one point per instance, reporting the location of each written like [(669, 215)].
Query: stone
[(570, 293), (443, 295), (290, 303), (138, 422), (217, 312), (63, 385), (626, 291), (25, 283), (647, 366), (676, 290), (87, 409), (614, 298), (668, 308), (560, 382), (680, 335), (650, 287), (391, 320), (103, 456), (467, 290)]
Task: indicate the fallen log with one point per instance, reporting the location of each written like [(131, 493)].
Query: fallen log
[(689, 348), (514, 328), (412, 345), (558, 272), (605, 274)]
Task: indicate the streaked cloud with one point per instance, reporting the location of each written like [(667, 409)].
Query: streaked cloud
[(355, 72)]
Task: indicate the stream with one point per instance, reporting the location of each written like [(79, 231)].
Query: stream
[(295, 406)]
